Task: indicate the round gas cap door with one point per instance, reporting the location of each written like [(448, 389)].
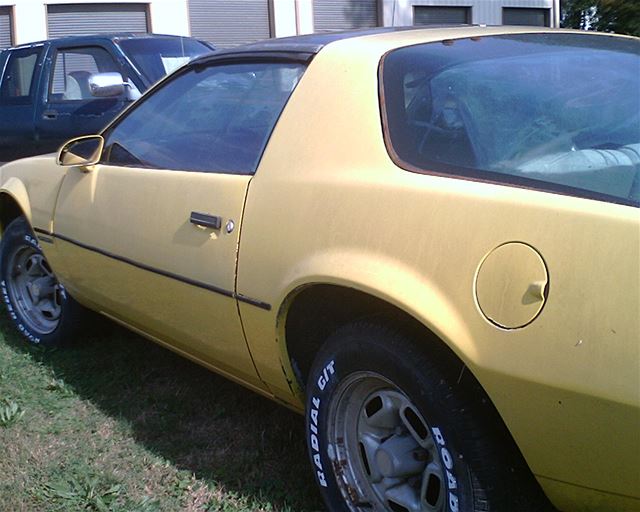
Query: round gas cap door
[(511, 285)]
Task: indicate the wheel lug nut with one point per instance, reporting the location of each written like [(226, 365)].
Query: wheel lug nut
[(420, 455)]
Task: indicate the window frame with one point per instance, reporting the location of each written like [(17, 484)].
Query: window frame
[(479, 175), (209, 61), (33, 86), (54, 59)]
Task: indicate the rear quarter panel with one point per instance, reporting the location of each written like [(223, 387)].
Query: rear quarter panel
[(329, 206)]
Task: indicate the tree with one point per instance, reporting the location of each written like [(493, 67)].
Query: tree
[(621, 16)]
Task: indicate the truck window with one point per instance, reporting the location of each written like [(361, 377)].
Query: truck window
[(157, 57), (17, 83), (72, 69)]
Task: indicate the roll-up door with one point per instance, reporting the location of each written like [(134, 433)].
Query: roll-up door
[(344, 14), (5, 27), (83, 19), (227, 23), (525, 16), (431, 15)]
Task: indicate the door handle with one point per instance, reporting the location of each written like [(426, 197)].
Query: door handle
[(50, 114), (205, 220)]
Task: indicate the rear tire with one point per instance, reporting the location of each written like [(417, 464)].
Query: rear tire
[(39, 306), (392, 429)]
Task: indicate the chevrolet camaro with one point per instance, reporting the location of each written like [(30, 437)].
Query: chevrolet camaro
[(425, 240)]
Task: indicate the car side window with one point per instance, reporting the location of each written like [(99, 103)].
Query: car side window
[(72, 69), (18, 83), (211, 119)]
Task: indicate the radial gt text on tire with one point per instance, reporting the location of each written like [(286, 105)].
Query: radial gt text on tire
[(37, 303), (393, 426)]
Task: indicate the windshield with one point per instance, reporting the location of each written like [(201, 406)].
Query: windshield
[(560, 109), (157, 57)]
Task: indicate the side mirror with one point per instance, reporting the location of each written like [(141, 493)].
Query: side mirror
[(81, 151), (106, 85)]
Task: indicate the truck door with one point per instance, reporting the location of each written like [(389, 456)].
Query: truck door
[(69, 109), (18, 87)]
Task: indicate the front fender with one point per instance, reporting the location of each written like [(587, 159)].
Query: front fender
[(13, 190), (33, 184)]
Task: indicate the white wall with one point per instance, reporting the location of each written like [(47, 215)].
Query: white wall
[(30, 17), (291, 17), (170, 17), (400, 12), (29, 20)]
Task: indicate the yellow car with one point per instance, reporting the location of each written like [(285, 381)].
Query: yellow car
[(427, 241)]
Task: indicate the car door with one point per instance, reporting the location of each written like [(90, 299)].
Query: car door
[(18, 87), (69, 108), (150, 235)]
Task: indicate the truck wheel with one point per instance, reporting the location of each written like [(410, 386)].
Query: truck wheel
[(390, 429), (37, 303)]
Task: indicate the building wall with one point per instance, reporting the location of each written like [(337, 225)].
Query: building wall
[(397, 13), (30, 17), (289, 17)]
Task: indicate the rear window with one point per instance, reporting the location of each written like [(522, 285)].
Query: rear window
[(558, 112)]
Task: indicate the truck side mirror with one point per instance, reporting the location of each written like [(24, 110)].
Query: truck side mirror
[(106, 85), (81, 151)]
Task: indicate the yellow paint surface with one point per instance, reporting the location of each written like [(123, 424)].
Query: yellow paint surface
[(328, 205), (511, 284)]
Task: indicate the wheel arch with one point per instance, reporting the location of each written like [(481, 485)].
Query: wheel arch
[(14, 202), (316, 310), (312, 312)]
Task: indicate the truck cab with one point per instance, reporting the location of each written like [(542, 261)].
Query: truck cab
[(45, 97)]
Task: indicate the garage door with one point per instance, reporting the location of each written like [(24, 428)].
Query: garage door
[(344, 14), (82, 19), (525, 16), (5, 27), (227, 23), (427, 15)]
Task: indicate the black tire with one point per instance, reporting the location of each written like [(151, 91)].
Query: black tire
[(39, 306), (391, 429)]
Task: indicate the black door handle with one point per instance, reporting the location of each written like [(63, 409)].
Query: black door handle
[(205, 220), (50, 114)]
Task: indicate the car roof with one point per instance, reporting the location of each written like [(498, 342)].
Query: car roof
[(313, 43), (378, 40)]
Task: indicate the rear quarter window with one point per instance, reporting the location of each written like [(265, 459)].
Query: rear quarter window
[(556, 112)]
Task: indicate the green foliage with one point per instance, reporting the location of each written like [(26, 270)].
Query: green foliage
[(59, 386), (117, 423), (85, 492), (10, 412), (621, 16), (85, 489)]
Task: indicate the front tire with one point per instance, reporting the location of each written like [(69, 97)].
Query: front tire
[(391, 429), (37, 303)]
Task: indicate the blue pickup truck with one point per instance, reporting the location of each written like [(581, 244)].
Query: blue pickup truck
[(53, 90)]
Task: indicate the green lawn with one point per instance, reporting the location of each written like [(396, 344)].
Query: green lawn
[(118, 423)]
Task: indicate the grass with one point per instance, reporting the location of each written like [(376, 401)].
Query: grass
[(117, 423)]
